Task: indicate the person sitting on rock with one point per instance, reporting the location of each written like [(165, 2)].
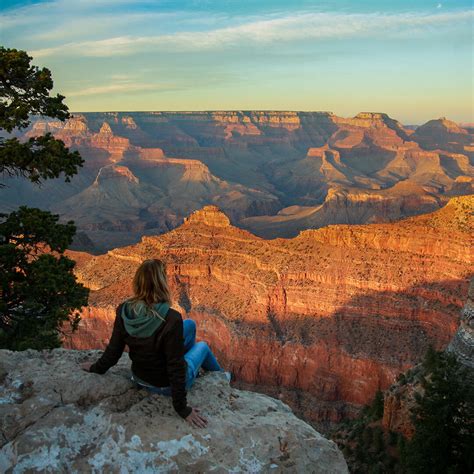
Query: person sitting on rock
[(166, 358)]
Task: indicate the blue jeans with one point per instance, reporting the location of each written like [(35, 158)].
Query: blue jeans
[(197, 355)]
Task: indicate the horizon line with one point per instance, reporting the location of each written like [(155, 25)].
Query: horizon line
[(184, 111)]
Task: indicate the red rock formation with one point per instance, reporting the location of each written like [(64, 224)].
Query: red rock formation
[(209, 216), (115, 146), (350, 205), (326, 318), (445, 134), (129, 123), (398, 402)]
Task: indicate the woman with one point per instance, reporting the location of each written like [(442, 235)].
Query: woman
[(165, 357)]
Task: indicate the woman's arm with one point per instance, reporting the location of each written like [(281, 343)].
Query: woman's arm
[(114, 349), (176, 367)]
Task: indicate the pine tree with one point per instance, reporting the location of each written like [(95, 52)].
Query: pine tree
[(24, 91), (38, 289), (443, 419)]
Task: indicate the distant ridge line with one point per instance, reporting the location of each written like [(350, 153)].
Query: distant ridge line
[(215, 111)]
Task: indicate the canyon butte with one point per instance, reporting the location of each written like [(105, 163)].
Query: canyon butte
[(272, 173), (322, 320)]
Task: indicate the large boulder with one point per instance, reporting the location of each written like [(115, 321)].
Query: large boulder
[(54, 417)]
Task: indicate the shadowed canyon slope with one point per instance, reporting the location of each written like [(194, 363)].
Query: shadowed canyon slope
[(273, 173), (400, 398), (324, 319)]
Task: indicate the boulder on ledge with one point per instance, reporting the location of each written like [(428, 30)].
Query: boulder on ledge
[(54, 417)]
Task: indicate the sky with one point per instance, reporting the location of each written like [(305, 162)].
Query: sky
[(410, 59)]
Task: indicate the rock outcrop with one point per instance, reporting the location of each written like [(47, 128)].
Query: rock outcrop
[(347, 206), (398, 402), (444, 134), (462, 344), (54, 417), (323, 320), (210, 216)]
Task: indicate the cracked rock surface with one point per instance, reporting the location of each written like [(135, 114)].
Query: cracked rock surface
[(54, 417)]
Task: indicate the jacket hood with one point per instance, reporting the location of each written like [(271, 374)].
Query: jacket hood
[(141, 320)]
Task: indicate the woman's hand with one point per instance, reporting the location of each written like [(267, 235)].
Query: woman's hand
[(196, 420), (86, 366)]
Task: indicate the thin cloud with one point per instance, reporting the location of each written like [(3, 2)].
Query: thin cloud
[(119, 88), (308, 26), (46, 25)]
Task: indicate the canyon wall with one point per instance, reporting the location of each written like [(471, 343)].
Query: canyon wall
[(322, 320)]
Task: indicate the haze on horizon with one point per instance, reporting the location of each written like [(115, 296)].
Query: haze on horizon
[(410, 59)]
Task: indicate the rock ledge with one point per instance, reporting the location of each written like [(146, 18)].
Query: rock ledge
[(55, 417)]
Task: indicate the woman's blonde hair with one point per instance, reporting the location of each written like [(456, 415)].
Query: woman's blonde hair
[(150, 284)]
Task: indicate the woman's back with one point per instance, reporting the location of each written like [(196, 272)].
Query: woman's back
[(157, 359), (154, 334), (149, 352)]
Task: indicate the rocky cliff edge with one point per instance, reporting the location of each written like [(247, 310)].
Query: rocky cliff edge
[(55, 417)]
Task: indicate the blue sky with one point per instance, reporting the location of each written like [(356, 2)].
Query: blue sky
[(411, 59)]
